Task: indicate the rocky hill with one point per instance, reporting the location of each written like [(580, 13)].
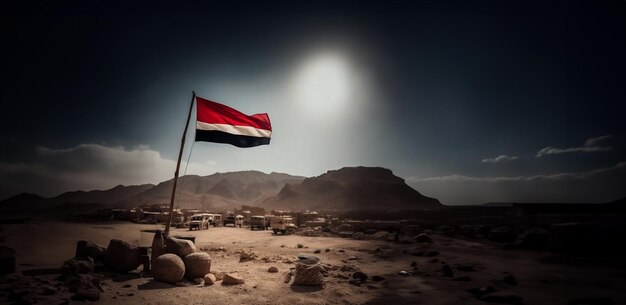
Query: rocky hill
[(351, 188)]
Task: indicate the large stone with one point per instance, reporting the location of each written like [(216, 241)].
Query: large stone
[(232, 279), (423, 238), (168, 268), (502, 234), (308, 274), (533, 239), (209, 279), (87, 248), (180, 247), (121, 256), (197, 264), (77, 266)]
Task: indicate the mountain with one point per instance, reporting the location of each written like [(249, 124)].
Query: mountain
[(217, 191), (351, 188), (110, 196), (24, 202)]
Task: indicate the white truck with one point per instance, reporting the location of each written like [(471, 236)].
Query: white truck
[(199, 221)]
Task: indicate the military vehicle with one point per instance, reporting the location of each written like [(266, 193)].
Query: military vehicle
[(283, 225)]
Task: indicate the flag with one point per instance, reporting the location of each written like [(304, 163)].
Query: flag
[(222, 124)]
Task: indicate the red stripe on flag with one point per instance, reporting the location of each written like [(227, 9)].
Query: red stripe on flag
[(216, 113)]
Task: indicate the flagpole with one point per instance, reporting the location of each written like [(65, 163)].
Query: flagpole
[(180, 155)]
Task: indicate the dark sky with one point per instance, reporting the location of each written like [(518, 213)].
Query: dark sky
[(469, 102)]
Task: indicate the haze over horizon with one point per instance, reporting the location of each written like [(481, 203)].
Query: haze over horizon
[(470, 103)]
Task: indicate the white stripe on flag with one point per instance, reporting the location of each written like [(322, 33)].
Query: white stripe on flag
[(236, 130)]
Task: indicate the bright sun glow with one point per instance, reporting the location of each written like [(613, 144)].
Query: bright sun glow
[(323, 83)]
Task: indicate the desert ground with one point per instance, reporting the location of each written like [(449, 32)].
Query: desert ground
[(540, 276)]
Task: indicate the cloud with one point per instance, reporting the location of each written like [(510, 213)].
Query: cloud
[(500, 158), (597, 185), (591, 145), (89, 167), (557, 176)]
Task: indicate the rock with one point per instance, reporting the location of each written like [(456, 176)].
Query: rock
[(403, 273), (423, 238), (87, 248), (197, 264), (361, 276), (355, 282), (245, 256), (378, 278), (502, 234), (351, 258), (209, 279), (419, 251), (501, 297), (77, 266), (447, 271), (232, 279), (168, 268), (199, 281), (536, 239), (218, 275), (510, 279), (481, 291), (272, 269), (300, 246), (317, 251), (121, 256), (308, 259), (180, 247), (413, 264), (87, 295), (465, 278), (158, 245), (48, 290), (327, 250)]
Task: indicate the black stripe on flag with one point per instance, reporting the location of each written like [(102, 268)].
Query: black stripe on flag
[(227, 138)]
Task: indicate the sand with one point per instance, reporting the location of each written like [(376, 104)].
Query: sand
[(43, 245)]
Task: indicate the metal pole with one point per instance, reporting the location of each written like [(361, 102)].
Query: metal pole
[(180, 155)]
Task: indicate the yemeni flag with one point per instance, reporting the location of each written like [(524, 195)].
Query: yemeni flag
[(221, 124)]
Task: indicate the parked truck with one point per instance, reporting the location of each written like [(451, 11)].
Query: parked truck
[(283, 225)]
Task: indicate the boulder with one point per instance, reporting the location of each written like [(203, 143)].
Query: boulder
[(76, 266), (180, 247), (121, 256), (245, 256), (272, 269), (423, 238), (197, 265), (502, 234), (168, 268), (533, 239), (232, 279), (87, 248), (209, 279)]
